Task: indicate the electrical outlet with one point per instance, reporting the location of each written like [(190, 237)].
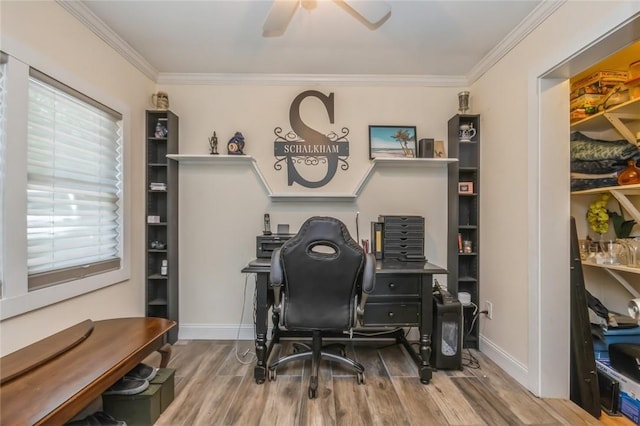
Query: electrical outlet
[(488, 306)]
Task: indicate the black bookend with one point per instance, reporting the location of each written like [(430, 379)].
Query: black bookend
[(584, 379)]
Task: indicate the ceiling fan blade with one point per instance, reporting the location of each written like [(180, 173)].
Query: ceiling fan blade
[(279, 16), (374, 12)]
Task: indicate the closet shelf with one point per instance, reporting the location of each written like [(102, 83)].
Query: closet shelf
[(625, 189), (224, 160), (615, 116), (621, 194), (622, 268)]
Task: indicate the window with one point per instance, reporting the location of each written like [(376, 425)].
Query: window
[(3, 61), (74, 184)]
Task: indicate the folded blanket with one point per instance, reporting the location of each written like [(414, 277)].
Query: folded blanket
[(597, 167), (580, 184), (585, 148)]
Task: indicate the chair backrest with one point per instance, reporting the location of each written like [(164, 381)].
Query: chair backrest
[(322, 267)]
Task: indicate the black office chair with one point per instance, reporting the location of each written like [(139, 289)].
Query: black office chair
[(320, 279)]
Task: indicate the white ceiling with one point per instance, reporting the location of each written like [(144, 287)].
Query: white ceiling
[(436, 39)]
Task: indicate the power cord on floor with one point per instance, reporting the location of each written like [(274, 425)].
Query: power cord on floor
[(248, 352), (471, 361)]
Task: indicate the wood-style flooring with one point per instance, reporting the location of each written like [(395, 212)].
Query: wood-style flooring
[(213, 388)]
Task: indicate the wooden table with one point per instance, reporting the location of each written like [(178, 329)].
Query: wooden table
[(52, 380)]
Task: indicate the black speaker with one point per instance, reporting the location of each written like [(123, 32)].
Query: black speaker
[(446, 353), (425, 148)]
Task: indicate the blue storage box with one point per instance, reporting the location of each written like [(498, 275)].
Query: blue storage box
[(603, 338)]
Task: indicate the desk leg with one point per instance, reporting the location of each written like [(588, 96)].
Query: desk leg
[(425, 328), (262, 307), (425, 354)]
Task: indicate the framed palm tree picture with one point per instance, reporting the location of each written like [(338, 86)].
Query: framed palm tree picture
[(392, 141)]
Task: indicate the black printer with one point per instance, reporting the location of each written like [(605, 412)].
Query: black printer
[(266, 244)]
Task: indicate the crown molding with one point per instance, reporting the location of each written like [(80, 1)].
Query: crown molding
[(313, 79), (81, 12), (538, 15), (104, 32)]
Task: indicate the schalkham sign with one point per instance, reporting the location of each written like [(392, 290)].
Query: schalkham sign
[(305, 146)]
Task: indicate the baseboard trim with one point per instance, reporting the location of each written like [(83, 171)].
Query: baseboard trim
[(510, 365), (217, 332)]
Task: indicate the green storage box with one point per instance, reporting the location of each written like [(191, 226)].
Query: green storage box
[(142, 409), (165, 378)]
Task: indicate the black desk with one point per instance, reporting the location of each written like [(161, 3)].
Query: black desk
[(402, 298)]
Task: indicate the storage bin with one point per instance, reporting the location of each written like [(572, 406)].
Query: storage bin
[(142, 409), (165, 378)]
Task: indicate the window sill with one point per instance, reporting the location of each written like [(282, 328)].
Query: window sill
[(11, 306)]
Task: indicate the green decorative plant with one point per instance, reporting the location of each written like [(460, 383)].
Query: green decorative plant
[(598, 215), (621, 226)]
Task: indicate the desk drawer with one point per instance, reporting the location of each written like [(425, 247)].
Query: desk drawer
[(397, 285), (383, 314), (403, 243)]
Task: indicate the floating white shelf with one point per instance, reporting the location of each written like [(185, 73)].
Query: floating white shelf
[(215, 159), (312, 196)]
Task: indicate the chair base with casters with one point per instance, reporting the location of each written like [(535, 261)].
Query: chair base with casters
[(315, 352)]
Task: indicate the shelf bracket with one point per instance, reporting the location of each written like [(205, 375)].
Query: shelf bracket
[(626, 204), (615, 120), (624, 283)]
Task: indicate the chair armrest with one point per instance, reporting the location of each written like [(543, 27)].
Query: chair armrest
[(369, 274), (368, 281), (275, 277)]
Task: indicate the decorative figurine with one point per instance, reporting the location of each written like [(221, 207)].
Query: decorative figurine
[(213, 143), (235, 146), (161, 130)]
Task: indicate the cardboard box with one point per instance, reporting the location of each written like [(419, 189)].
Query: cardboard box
[(629, 391), (578, 114), (588, 102), (630, 407), (141, 409), (627, 385), (165, 378), (599, 83)]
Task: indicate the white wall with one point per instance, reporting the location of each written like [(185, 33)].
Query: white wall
[(525, 195), (221, 207), (45, 36)]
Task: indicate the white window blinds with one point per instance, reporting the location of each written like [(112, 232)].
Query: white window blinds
[(74, 158)]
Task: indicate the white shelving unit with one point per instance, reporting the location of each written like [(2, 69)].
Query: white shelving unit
[(225, 160)]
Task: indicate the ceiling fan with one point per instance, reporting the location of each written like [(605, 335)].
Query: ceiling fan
[(371, 13)]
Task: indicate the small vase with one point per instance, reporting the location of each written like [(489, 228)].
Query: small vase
[(630, 175)]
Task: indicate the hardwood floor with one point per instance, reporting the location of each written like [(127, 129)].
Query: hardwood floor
[(213, 388)]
